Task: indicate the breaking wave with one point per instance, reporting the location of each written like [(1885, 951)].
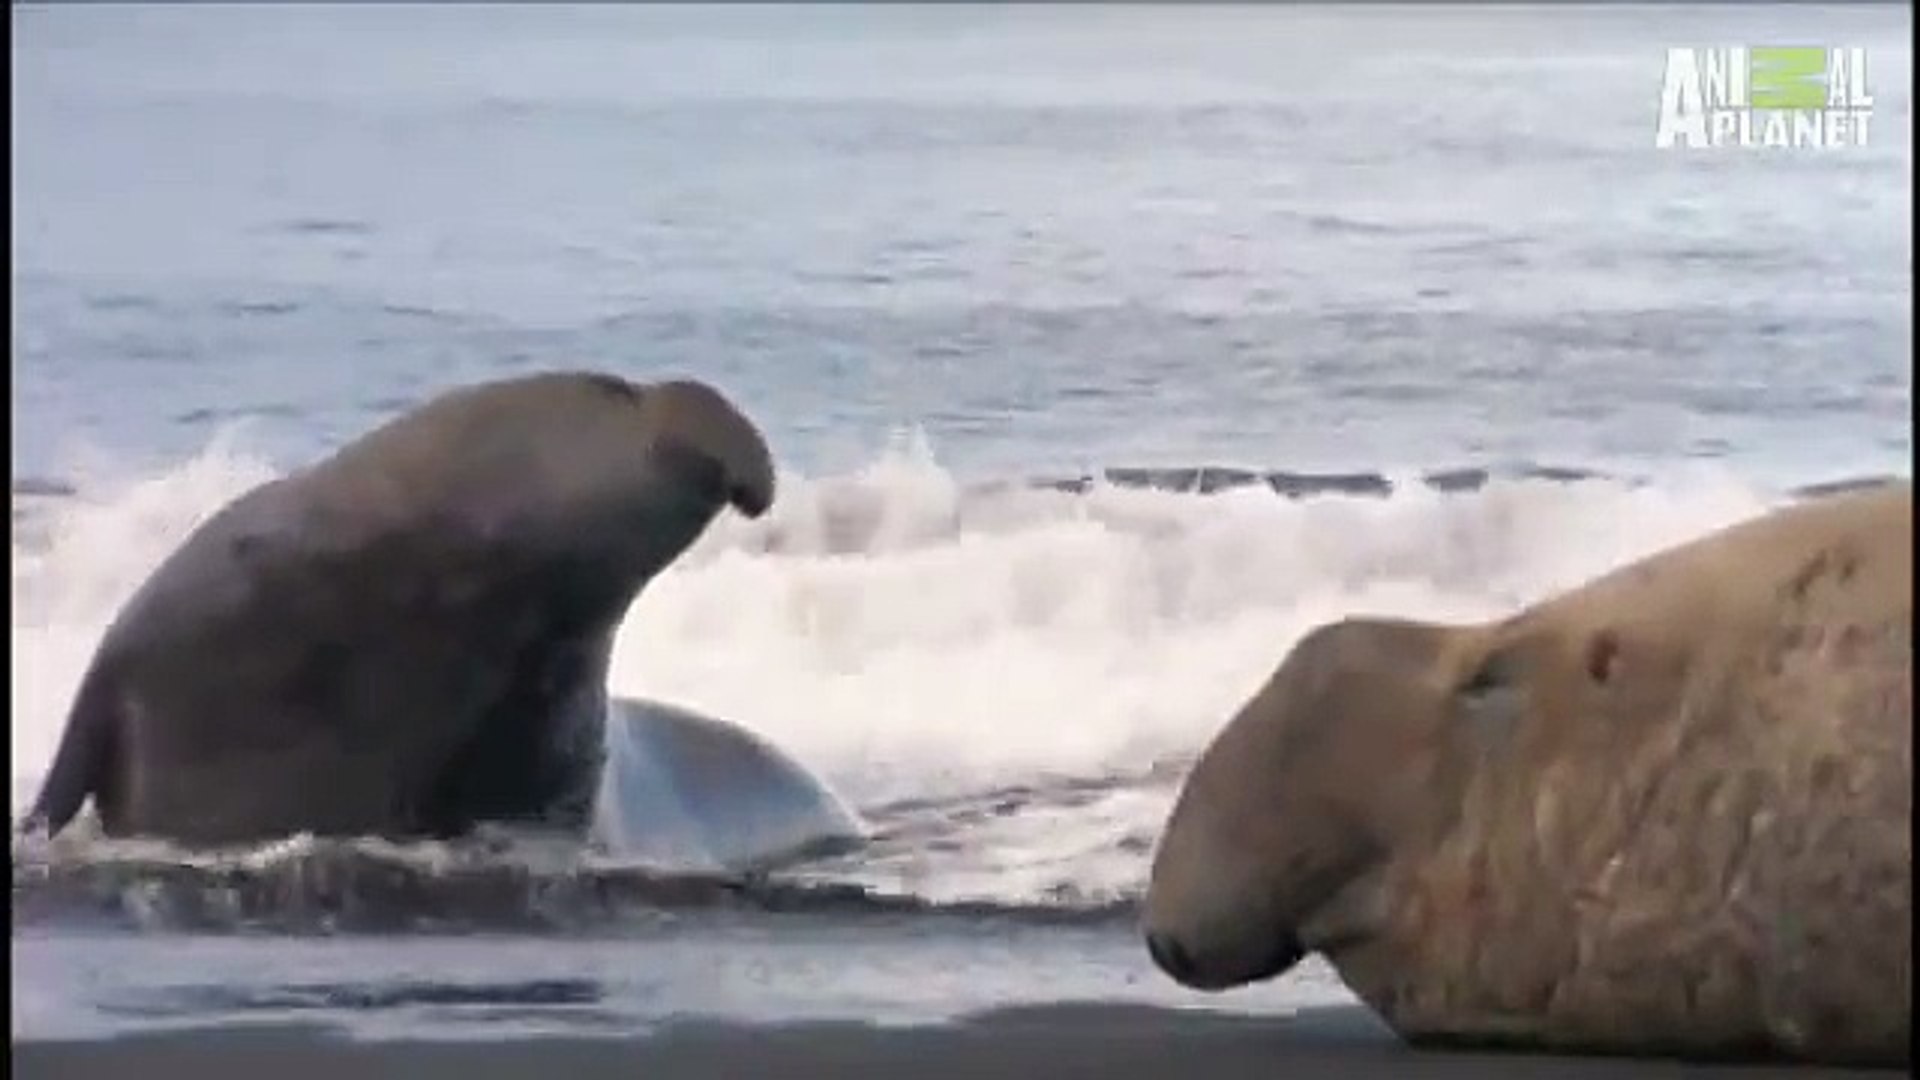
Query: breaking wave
[(1006, 678)]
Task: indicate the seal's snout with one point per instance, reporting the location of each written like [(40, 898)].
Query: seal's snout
[(752, 498), (1170, 956), (727, 447), (1197, 972)]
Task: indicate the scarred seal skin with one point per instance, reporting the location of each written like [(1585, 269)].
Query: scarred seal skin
[(1665, 813)]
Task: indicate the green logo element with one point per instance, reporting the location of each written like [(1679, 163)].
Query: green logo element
[(1789, 78)]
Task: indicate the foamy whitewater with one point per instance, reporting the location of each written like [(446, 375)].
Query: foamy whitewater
[(911, 637), (949, 258)]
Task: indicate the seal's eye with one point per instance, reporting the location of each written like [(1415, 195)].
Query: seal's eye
[(1493, 673), (1492, 698)]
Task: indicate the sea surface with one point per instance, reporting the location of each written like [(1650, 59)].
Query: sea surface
[(1420, 272)]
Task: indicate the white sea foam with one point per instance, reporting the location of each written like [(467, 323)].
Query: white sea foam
[(909, 635)]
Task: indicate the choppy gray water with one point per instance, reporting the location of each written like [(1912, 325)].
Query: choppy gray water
[(936, 252)]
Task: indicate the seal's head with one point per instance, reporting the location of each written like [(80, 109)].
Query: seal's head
[(1343, 756), (695, 424)]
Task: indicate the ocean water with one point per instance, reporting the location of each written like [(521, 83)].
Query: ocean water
[(948, 258)]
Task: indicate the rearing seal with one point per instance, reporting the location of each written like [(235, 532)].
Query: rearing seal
[(410, 636)]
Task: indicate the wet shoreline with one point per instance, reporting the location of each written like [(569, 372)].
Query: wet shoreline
[(1116, 1042)]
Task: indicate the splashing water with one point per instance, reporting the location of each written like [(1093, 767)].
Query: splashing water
[(1036, 662)]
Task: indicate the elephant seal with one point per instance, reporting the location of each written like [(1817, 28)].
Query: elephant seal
[(691, 793), (1664, 813), (410, 636)]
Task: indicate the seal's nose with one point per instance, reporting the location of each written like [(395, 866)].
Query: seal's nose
[(1170, 956), (752, 500)]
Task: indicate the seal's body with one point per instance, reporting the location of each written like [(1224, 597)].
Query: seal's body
[(1666, 812), (412, 635)]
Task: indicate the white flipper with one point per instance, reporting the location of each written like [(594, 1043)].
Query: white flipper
[(690, 793)]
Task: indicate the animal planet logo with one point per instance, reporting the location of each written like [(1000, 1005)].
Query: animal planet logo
[(1765, 97)]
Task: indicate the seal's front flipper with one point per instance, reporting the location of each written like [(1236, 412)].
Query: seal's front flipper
[(81, 765)]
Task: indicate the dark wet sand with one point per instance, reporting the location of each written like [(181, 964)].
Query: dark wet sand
[(1110, 1043)]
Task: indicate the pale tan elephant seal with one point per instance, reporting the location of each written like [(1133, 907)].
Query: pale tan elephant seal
[(1665, 813)]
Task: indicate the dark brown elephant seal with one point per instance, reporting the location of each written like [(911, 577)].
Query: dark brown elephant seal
[(412, 635), (1666, 813)]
